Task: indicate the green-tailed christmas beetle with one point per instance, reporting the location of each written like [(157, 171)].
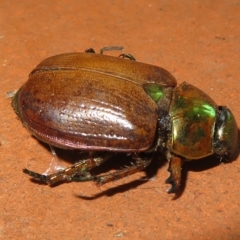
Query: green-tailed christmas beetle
[(104, 104)]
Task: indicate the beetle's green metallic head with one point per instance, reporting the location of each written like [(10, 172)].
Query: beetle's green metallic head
[(226, 134)]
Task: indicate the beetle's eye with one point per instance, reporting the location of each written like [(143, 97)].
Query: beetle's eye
[(226, 133), (220, 148)]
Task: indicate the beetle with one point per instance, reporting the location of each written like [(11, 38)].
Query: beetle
[(105, 105)]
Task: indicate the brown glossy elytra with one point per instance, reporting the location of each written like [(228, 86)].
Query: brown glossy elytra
[(104, 105)]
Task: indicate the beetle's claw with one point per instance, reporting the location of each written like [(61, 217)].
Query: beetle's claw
[(175, 186), (37, 176), (171, 190)]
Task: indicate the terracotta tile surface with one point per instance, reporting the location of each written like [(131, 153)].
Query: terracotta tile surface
[(198, 42)]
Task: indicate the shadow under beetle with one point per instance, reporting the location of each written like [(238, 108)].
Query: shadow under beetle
[(104, 105)]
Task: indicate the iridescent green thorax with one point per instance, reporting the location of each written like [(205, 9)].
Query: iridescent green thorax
[(193, 116)]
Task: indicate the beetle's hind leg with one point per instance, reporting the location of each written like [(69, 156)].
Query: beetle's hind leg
[(81, 169), (140, 164)]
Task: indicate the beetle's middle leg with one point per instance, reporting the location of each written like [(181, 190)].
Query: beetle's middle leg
[(140, 164)]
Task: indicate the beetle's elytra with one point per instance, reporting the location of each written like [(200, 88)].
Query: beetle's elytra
[(104, 104)]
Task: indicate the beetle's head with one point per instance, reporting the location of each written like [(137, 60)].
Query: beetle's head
[(226, 134)]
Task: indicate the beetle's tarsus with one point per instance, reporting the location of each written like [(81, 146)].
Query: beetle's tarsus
[(37, 176)]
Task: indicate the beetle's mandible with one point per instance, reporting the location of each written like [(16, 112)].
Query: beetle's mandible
[(103, 104)]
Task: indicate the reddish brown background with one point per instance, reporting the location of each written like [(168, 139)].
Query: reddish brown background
[(197, 41)]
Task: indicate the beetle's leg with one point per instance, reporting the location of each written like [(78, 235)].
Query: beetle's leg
[(82, 167), (127, 55), (79, 171), (138, 166), (37, 176), (54, 178), (111, 48), (90, 50), (175, 167), (104, 49)]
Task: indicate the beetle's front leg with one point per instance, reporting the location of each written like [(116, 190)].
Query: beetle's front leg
[(80, 168), (175, 168)]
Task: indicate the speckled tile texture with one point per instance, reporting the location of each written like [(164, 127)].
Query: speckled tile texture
[(198, 42)]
